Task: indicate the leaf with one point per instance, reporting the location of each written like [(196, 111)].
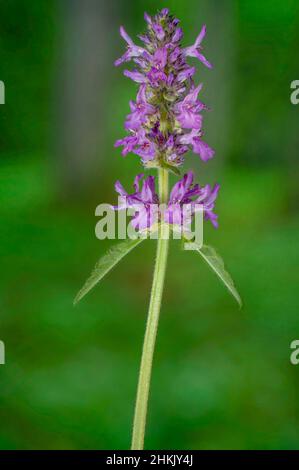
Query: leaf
[(215, 262), (106, 263)]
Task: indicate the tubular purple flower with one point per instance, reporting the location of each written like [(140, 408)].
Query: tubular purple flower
[(187, 111), (135, 76), (193, 51), (140, 110), (132, 49), (146, 150), (128, 142), (209, 204), (199, 146), (202, 149)]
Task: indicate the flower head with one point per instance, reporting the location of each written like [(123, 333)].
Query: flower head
[(167, 108), (184, 195)]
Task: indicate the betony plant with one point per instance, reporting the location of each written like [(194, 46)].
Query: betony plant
[(165, 122)]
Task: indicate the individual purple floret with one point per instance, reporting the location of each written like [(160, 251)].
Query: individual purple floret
[(165, 121), (198, 145), (139, 110), (187, 111), (193, 51), (132, 49), (184, 195), (143, 201)]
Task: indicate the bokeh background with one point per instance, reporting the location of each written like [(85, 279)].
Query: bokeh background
[(222, 377)]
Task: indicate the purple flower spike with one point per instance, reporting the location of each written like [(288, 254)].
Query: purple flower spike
[(166, 118)]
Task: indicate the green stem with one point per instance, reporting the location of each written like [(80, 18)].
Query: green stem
[(151, 326)]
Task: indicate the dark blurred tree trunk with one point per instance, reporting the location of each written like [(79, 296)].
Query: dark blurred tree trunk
[(82, 86)]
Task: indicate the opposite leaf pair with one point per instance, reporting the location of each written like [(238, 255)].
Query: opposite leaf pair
[(119, 251)]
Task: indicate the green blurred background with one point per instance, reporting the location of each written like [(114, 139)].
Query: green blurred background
[(222, 377)]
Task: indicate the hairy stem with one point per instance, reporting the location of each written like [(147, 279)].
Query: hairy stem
[(151, 326)]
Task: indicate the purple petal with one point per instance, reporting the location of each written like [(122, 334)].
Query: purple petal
[(200, 36), (135, 76), (159, 31), (189, 178), (144, 38), (193, 95), (147, 18), (136, 181), (187, 73), (205, 152), (178, 34), (120, 189), (203, 60), (160, 57), (190, 120), (125, 36), (175, 54)]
